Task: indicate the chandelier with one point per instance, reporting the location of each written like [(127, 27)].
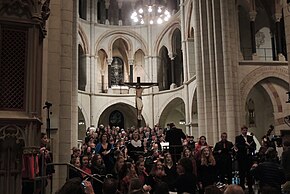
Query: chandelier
[(150, 14)]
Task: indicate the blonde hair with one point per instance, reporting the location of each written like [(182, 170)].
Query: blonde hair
[(207, 161)]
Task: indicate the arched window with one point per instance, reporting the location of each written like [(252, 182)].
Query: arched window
[(117, 71), (116, 119)]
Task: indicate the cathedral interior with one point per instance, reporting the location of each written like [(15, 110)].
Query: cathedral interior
[(209, 67)]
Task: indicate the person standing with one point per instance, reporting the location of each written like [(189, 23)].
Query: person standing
[(285, 159), (223, 155), (269, 173), (246, 147), (174, 136)]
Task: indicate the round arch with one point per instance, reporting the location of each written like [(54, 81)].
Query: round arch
[(259, 74), (173, 112)]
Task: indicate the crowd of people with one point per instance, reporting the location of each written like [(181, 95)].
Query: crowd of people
[(145, 160)]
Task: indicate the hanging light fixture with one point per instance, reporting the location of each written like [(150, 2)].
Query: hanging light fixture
[(150, 13)]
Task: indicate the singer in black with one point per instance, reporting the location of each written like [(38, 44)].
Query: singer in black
[(245, 150), (223, 156)]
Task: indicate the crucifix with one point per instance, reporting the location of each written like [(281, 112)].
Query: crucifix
[(139, 87)]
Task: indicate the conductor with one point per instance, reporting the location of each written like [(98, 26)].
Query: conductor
[(174, 137)]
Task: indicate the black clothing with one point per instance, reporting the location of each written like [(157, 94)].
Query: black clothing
[(174, 136), (170, 177), (245, 159), (269, 174), (223, 157), (186, 183), (135, 149), (206, 174), (285, 162)]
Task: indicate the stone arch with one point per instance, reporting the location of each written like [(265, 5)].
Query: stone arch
[(169, 28), (189, 16), (127, 111), (114, 34), (124, 102), (259, 74), (173, 111), (84, 40)]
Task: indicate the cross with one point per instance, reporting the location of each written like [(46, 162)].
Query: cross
[(139, 87)]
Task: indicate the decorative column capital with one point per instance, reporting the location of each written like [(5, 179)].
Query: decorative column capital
[(120, 4), (252, 15), (107, 4), (277, 17), (109, 61), (172, 55), (131, 61)]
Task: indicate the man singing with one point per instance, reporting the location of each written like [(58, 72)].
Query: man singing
[(245, 150), (223, 156)]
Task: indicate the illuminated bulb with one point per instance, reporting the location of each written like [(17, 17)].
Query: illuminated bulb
[(150, 9), (166, 18), (159, 21), (166, 12), (151, 22), (135, 19), (142, 22), (159, 10), (140, 11)]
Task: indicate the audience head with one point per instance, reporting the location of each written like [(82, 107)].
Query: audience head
[(97, 160), (234, 189), (76, 162), (135, 186), (184, 165), (110, 186), (269, 190), (271, 154), (72, 186), (212, 189), (104, 138)]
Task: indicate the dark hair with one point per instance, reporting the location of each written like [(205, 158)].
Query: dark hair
[(161, 188), (135, 186), (72, 186), (212, 189), (42, 135), (110, 186), (271, 154), (269, 190), (186, 163)]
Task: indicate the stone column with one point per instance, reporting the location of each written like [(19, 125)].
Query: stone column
[(172, 57), (286, 8), (109, 61), (120, 4), (131, 64), (107, 4), (277, 17), (252, 16)]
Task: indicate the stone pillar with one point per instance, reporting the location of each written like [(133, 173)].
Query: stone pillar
[(120, 4), (107, 4), (286, 8), (172, 57), (280, 56), (109, 61), (131, 64), (273, 46), (216, 63), (252, 16)]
